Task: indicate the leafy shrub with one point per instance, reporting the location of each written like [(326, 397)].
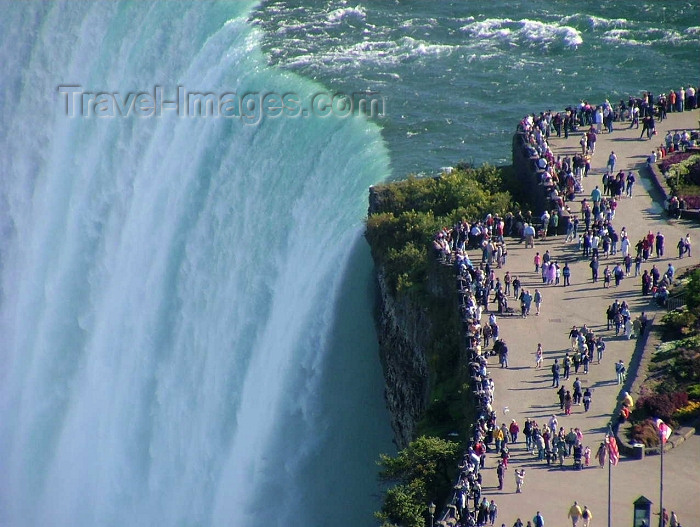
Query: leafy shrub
[(403, 505), (694, 392), (407, 215), (673, 159), (687, 412), (669, 385), (692, 291), (686, 367), (678, 322), (660, 405), (645, 432), (679, 399), (406, 266), (683, 176), (422, 470)]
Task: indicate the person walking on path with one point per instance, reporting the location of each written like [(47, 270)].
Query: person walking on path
[(587, 396), (573, 336), (538, 357), (503, 354), (555, 373), (567, 402), (600, 455), (501, 472), (538, 520), (529, 235), (578, 391), (493, 512), (594, 268), (498, 438), (561, 392), (519, 480), (630, 184), (620, 371), (663, 518), (587, 516), (659, 245), (600, 348), (527, 432), (585, 360), (612, 159), (514, 430), (525, 302), (538, 301), (575, 514), (566, 273), (645, 126)]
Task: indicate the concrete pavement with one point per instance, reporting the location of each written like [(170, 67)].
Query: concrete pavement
[(526, 392)]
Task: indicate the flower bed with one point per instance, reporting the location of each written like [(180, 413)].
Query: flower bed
[(671, 390), (682, 172)]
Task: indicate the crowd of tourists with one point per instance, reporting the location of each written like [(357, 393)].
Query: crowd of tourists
[(562, 177), (482, 281)]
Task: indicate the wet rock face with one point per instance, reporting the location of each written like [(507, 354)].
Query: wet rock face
[(403, 330), (419, 337)]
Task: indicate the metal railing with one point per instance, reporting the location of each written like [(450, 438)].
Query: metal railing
[(674, 302)]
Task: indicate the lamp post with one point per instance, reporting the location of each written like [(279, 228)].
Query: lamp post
[(431, 510)]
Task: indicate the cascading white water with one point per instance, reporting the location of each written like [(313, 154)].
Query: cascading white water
[(169, 284)]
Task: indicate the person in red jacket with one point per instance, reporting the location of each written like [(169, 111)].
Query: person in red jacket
[(514, 429)]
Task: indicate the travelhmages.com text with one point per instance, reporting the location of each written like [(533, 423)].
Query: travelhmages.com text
[(249, 107)]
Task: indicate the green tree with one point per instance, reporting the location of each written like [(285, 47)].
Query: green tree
[(692, 291), (421, 472)]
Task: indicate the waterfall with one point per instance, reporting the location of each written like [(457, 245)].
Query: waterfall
[(171, 284)]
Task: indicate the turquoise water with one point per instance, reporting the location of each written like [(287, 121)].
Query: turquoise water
[(459, 75), (186, 301)]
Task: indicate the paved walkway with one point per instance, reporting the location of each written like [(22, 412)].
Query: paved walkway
[(527, 393)]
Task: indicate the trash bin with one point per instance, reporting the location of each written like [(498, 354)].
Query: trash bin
[(638, 450)]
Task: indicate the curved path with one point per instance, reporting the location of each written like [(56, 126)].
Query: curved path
[(527, 392)]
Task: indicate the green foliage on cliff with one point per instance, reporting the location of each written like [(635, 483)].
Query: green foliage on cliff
[(405, 216), (410, 212), (401, 242), (421, 472)]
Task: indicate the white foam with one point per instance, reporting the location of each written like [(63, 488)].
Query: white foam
[(489, 28), (524, 32), (593, 21), (347, 12), (648, 37)]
